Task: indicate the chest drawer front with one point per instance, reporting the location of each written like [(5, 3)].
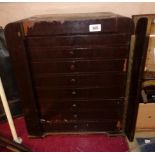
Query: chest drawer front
[(73, 66), (80, 80), (76, 106), (78, 40), (109, 93), (100, 126), (105, 52)]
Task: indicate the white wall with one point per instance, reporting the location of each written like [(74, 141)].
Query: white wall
[(10, 12)]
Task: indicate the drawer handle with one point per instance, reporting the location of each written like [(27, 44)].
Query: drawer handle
[(71, 52), (72, 67), (75, 115), (73, 80), (74, 105), (73, 92), (75, 126)]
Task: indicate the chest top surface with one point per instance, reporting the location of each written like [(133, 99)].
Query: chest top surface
[(76, 23), (73, 17)]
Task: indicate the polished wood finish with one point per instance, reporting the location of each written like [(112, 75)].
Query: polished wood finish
[(71, 79), (76, 23)]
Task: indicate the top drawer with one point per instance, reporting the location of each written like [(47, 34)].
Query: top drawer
[(77, 40), (77, 24)]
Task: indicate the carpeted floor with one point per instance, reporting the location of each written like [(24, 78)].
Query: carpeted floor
[(68, 143)]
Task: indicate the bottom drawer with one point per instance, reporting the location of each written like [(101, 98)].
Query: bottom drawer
[(104, 126)]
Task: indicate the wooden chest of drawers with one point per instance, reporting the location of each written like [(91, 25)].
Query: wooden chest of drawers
[(71, 71)]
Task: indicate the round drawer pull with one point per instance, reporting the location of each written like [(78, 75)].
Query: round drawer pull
[(75, 115), (73, 105), (73, 80), (73, 92), (72, 67), (71, 52), (75, 126), (118, 102)]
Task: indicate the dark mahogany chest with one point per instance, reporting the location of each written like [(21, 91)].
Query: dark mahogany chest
[(71, 71)]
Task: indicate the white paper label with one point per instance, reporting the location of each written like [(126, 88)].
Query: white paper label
[(95, 28), (147, 141)]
